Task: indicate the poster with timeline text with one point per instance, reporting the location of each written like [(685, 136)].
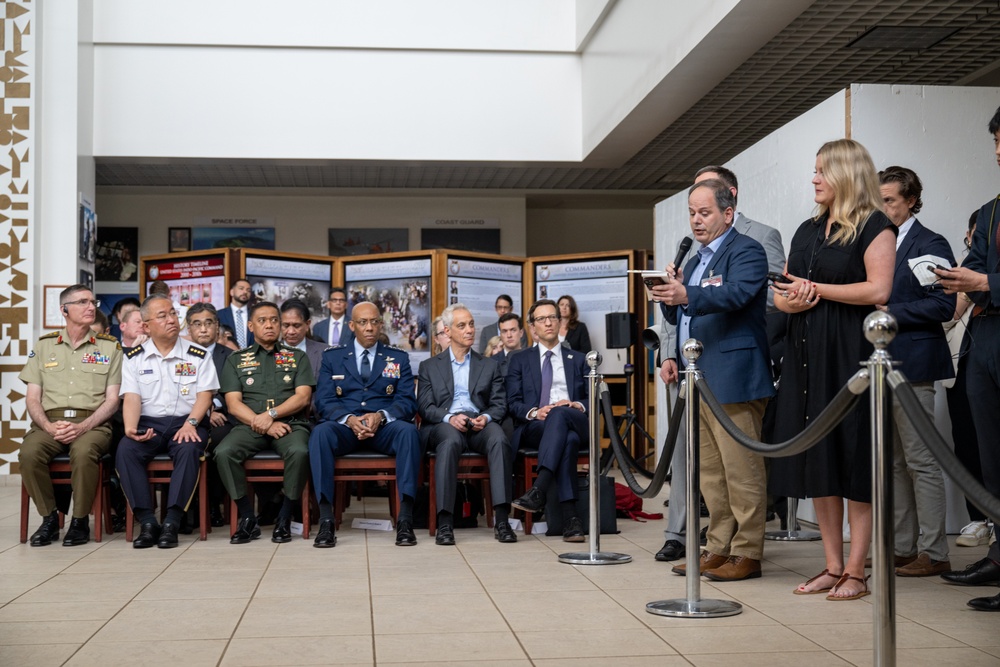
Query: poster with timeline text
[(599, 287), (401, 290), (194, 280), (476, 284)]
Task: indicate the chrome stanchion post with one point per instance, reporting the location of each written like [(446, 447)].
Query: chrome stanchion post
[(594, 556), (880, 328), (792, 534), (693, 606)]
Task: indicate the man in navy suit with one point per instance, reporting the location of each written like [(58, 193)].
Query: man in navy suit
[(918, 483), (365, 399), (719, 299), (294, 326), (238, 312), (334, 329), (462, 401), (979, 278), (547, 394)]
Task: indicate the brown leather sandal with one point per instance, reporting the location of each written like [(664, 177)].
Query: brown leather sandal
[(824, 573), (856, 596)]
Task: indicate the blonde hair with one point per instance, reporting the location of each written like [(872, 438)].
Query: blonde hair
[(850, 173), (491, 343)]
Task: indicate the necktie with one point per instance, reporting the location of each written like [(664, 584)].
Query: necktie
[(241, 329), (335, 338), (366, 367), (546, 380)]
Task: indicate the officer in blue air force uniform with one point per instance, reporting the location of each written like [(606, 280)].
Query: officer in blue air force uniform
[(365, 399), (167, 389)]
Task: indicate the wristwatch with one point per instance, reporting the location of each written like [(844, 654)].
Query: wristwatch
[(272, 413), (192, 421)]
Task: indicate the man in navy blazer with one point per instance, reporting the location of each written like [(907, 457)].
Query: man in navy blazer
[(334, 329), (239, 300), (720, 299), (547, 395), (918, 483), (365, 398), (462, 400)]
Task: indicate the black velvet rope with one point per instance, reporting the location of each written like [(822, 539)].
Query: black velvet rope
[(818, 429), (970, 486)]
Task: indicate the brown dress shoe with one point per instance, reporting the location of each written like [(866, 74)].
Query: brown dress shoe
[(708, 561), (897, 561), (736, 568), (923, 566)]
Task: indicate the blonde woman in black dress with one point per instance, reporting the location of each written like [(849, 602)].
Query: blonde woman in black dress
[(840, 265)]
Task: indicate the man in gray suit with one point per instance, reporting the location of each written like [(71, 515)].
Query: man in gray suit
[(294, 326), (461, 400)]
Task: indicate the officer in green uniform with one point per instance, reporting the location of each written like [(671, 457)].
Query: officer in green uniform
[(73, 377), (268, 387)]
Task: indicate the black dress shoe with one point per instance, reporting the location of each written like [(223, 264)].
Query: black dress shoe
[(981, 572), (168, 535), (672, 550), (326, 538), (149, 533), (985, 604), (504, 533), (215, 517), (282, 530), (703, 537), (405, 537), (246, 530), (573, 531), (186, 527), (532, 501), (48, 531), (78, 533), (445, 536)]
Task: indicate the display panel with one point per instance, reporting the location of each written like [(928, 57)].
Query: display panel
[(476, 283), (278, 280), (599, 287), (194, 280), (401, 289)]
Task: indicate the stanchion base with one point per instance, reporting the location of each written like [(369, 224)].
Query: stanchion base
[(700, 609), (599, 558), (792, 535)]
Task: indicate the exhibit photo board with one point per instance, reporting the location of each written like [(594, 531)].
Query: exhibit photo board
[(400, 285), (476, 280), (277, 277), (200, 276)]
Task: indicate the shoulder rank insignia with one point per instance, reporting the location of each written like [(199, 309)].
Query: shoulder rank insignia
[(390, 347), (107, 337), (54, 334), (132, 351), (196, 351)]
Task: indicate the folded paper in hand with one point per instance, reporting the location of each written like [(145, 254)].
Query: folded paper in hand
[(921, 267)]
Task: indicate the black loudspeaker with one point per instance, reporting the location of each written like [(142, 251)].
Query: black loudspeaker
[(620, 328)]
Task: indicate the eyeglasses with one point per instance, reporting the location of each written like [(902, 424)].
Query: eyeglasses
[(202, 324), (440, 333), (83, 302), (374, 321), (545, 319), (337, 300), (162, 317)]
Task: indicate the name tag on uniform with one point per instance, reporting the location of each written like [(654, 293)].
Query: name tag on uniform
[(53, 364), (146, 371), (337, 377), (712, 281), (391, 371), (185, 369)]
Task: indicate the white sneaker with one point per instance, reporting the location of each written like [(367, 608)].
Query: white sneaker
[(975, 534)]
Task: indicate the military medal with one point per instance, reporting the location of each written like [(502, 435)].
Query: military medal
[(185, 390), (287, 378), (388, 390), (340, 391), (249, 381)]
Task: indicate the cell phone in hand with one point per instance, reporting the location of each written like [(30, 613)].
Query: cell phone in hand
[(653, 281), (773, 277)]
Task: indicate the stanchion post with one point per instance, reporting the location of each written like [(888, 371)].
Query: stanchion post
[(594, 556), (693, 606), (880, 328), (792, 534)]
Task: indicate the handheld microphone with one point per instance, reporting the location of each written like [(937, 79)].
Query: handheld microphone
[(682, 251)]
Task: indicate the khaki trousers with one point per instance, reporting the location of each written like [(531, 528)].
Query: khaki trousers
[(38, 448)]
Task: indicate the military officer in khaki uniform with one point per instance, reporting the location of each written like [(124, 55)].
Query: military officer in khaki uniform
[(268, 387), (73, 377)]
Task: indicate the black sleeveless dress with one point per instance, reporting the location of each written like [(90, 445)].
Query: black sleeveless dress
[(823, 349)]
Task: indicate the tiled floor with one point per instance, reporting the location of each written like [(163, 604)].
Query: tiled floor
[(481, 603)]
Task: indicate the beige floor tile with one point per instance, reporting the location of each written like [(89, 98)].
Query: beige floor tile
[(413, 580), (47, 632), (690, 637), (201, 585), (170, 652), (640, 661), (447, 647), (992, 650), (152, 620), (436, 613), (593, 643), (324, 584), (295, 651), (84, 587), (859, 635), (36, 655), (131, 560), (779, 659), (561, 610), (60, 611), (926, 657), (306, 616), (971, 627), (815, 609), (465, 663), (541, 576)]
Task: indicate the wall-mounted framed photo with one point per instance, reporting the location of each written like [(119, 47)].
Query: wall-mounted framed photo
[(179, 239), (53, 313)]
